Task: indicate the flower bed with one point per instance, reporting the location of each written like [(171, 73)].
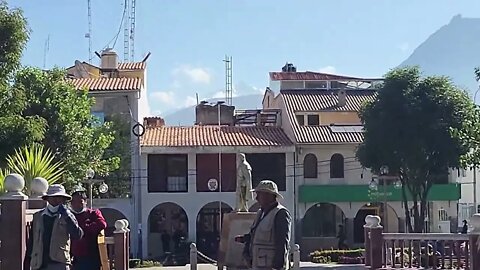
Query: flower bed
[(354, 256)]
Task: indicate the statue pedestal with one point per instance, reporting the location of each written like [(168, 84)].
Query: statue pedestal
[(230, 252)]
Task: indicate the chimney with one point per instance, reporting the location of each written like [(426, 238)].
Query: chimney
[(207, 114), (342, 98), (109, 59), (153, 122), (289, 67)]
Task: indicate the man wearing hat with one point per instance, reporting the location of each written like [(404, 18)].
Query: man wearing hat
[(267, 244), (52, 228)]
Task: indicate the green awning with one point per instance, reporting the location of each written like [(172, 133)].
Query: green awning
[(362, 193)]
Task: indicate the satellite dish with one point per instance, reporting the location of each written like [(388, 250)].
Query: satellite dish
[(80, 71)]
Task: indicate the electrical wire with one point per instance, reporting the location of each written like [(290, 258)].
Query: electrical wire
[(115, 38)]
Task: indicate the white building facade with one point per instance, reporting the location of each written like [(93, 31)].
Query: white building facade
[(320, 115), (183, 190)]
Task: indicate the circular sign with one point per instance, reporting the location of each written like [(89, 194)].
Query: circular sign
[(212, 184)]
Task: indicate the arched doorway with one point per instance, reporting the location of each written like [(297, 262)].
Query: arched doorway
[(208, 227), (321, 222), (374, 209), (167, 225), (111, 216)]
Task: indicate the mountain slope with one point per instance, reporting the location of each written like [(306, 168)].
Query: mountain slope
[(453, 50)]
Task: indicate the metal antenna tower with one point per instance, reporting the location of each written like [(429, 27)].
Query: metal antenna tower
[(126, 32), (228, 80), (45, 52), (132, 30), (89, 34)]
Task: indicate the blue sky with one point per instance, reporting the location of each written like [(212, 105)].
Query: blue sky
[(189, 39)]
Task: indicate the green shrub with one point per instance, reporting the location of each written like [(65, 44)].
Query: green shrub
[(334, 254), (137, 263)]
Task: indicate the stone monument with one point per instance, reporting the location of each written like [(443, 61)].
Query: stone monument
[(244, 184), (237, 222)]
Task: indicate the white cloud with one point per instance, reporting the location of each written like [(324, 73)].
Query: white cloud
[(194, 74), (190, 101), (164, 97), (328, 69)]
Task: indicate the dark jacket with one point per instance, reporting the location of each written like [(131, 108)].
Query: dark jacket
[(92, 222)]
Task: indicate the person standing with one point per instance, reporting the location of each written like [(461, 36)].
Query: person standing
[(53, 227), (268, 242), (86, 255), (465, 227)]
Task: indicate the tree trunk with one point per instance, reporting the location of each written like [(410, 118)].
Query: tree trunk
[(418, 226), (408, 219)]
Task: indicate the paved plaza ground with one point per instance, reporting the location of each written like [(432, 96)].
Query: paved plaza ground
[(303, 265)]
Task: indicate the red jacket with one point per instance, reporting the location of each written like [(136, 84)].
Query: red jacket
[(92, 223)]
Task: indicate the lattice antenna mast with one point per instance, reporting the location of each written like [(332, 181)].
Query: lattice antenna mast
[(89, 34), (228, 80), (126, 32), (132, 30)]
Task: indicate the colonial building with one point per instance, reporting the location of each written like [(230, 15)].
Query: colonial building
[(189, 173), (119, 90), (319, 114)]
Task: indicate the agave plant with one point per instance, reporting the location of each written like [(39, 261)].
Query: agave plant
[(35, 161), (3, 174)]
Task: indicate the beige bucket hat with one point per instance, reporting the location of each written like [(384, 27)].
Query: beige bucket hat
[(268, 186), (56, 191)]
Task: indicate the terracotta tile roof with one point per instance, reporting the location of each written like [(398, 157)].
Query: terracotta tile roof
[(324, 134), (325, 100), (132, 65), (314, 76), (108, 84), (192, 136), (301, 100)]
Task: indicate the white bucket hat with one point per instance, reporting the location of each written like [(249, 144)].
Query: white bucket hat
[(268, 186), (56, 191)]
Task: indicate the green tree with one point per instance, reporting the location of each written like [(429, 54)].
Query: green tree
[(119, 180), (419, 127), (43, 107)]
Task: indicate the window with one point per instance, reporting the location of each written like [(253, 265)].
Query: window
[(167, 173), (300, 119), (99, 118), (176, 173), (310, 166), (337, 166), (316, 85), (313, 120)]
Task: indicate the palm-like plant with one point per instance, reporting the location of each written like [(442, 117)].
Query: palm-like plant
[(3, 174), (35, 161)]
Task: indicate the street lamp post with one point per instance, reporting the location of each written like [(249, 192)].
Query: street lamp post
[(384, 171), (90, 181), (219, 104), (475, 207)]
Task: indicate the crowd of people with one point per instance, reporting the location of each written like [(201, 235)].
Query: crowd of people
[(62, 236)]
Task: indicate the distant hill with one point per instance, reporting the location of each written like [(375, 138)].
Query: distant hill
[(453, 50), (186, 116)]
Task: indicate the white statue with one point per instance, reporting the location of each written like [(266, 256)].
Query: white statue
[(244, 184)]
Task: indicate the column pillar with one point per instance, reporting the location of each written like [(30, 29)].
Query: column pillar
[(349, 229), (13, 233)]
